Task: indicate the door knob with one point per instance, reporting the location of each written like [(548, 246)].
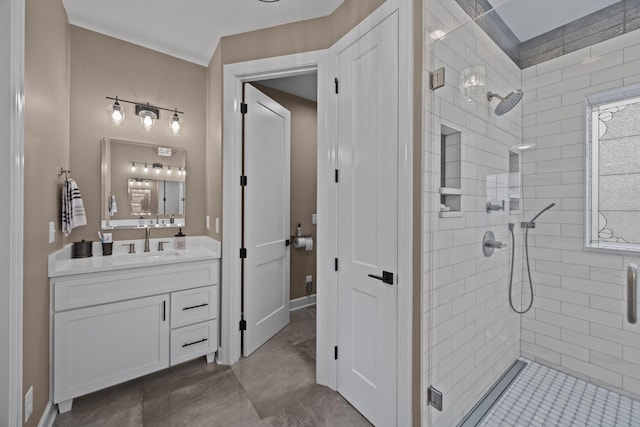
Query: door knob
[(387, 277)]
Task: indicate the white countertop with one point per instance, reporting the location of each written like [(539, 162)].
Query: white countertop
[(198, 248)]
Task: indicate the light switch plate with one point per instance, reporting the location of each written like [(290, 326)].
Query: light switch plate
[(208, 221), (218, 225), (52, 231)]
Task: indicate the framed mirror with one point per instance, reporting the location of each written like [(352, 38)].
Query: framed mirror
[(142, 185)]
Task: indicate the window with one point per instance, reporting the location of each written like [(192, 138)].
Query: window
[(613, 170)]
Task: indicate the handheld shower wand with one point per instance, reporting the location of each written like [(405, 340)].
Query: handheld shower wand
[(528, 226)]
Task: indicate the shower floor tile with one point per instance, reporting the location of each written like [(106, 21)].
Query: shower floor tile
[(542, 396)]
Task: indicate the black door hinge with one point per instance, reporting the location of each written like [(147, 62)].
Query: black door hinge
[(243, 253), (243, 325), (243, 181), (337, 84), (337, 176), (335, 264), (434, 398), (243, 108), (287, 242), (335, 353)]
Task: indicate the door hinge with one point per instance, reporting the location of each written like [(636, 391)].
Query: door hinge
[(243, 108), (335, 264), (434, 398), (243, 253), (243, 181), (243, 325), (337, 176), (287, 242), (336, 83), (436, 79), (335, 353)]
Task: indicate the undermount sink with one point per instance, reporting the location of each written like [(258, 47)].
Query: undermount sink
[(144, 257)]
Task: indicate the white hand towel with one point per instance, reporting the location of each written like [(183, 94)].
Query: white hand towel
[(73, 214), (113, 207)]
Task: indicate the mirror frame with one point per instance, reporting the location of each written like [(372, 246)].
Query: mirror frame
[(106, 223)]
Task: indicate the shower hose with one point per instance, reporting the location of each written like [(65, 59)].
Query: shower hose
[(513, 256)]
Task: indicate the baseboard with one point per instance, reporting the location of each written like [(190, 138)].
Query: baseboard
[(49, 415), (302, 302)]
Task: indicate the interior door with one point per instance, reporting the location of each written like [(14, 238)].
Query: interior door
[(267, 142), (367, 222)]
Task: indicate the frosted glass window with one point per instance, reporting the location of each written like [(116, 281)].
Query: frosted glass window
[(613, 174)]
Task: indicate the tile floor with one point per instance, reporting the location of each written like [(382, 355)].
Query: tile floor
[(275, 386), (542, 396)]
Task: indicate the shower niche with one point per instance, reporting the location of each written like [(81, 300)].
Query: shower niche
[(450, 172), (514, 182)]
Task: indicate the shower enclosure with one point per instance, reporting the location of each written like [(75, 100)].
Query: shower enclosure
[(493, 162)]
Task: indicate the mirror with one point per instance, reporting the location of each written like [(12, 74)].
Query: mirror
[(142, 185)]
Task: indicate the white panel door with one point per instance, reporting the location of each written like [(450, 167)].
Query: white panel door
[(267, 142), (367, 222)]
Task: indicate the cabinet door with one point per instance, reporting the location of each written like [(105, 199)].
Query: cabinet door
[(97, 347)]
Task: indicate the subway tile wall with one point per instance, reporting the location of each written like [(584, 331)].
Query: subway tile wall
[(470, 335), (578, 323)]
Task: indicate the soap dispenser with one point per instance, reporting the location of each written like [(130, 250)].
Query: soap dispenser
[(180, 241)]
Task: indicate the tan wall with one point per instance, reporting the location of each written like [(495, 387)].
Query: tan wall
[(103, 66), (304, 161), (46, 148), (296, 37), (214, 143)]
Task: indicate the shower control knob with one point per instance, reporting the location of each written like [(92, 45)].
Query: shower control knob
[(490, 244)]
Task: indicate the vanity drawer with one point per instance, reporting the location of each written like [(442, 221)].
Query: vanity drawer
[(194, 305), (194, 341)]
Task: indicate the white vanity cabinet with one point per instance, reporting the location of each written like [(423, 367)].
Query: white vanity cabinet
[(119, 324)]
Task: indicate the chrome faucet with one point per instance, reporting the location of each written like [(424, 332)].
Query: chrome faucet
[(147, 234)]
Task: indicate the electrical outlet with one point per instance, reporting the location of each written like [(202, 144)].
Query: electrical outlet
[(314, 218), (28, 404), (217, 225), (309, 280), (52, 231)]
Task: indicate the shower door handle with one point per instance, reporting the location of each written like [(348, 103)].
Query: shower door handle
[(387, 277), (632, 294)]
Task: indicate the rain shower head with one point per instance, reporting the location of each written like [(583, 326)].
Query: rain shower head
[(507, 102)]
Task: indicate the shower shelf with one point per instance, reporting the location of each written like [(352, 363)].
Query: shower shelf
[(451, 214), (450, 191)]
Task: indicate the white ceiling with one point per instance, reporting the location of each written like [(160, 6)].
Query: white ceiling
[(305, 85), (190, 29), (528, 19)]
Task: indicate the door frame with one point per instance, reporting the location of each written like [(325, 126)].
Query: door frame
[(12, 159), (234, 75)]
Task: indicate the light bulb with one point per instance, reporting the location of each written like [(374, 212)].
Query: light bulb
[(175, 123), (147, 122), (169, 170), (146, 168), (158, 170), (116, 113), (133, 166)]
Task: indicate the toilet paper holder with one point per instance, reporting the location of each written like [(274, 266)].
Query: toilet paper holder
[(302, 242)]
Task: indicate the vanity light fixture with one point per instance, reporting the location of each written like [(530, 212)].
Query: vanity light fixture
[(157, 167), (148, 114)]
